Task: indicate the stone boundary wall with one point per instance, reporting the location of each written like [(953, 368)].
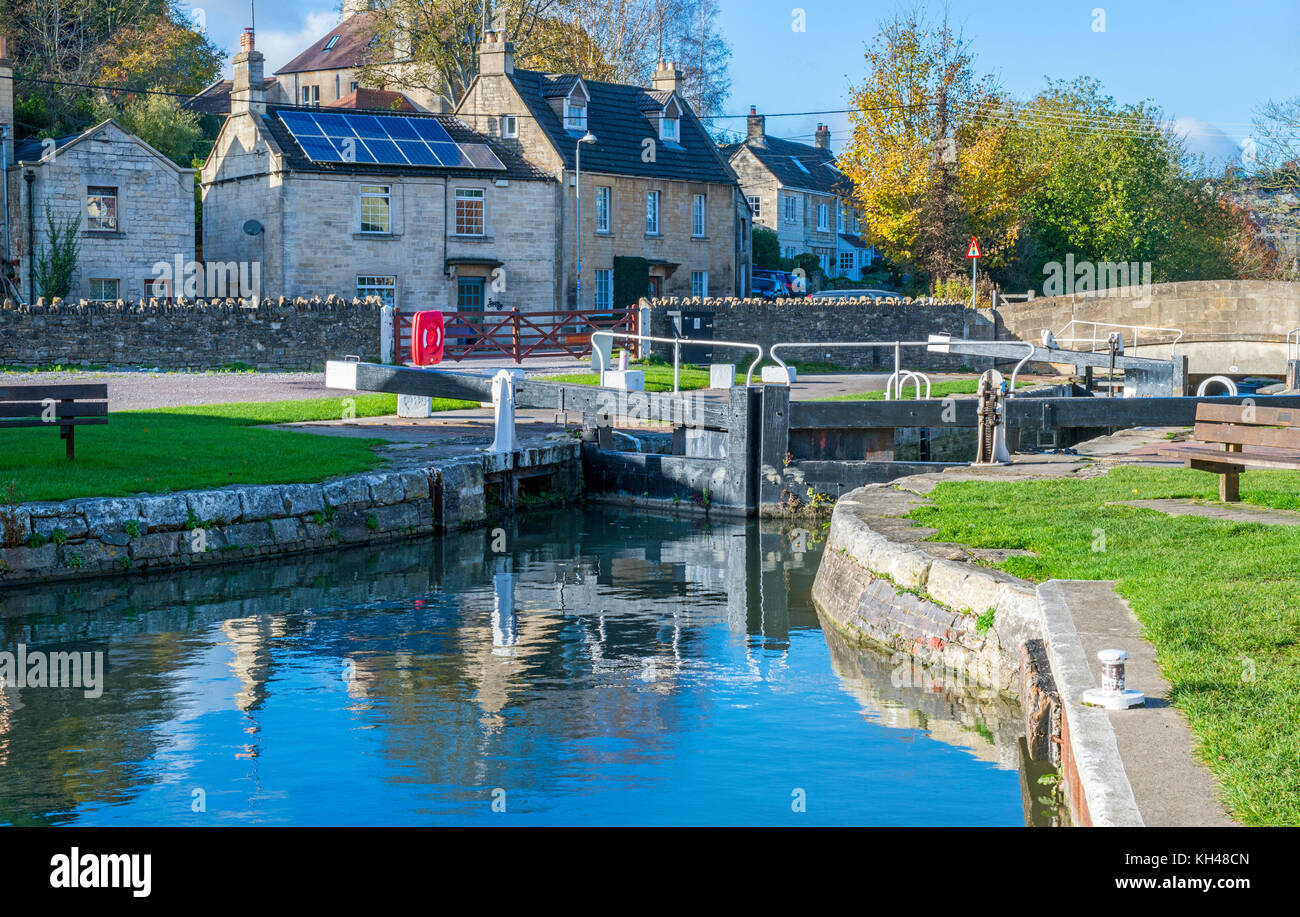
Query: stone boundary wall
[(895, 595), (765, 322), (104, 536), (276, 334), (1240, 309)]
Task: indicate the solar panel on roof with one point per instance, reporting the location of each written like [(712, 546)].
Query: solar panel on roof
[(396, 140)]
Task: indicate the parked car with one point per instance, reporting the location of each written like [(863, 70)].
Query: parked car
[(787, 283), (855, 294), (765, 287)]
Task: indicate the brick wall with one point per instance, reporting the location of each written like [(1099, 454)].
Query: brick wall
[(298, 334), (761, 322)]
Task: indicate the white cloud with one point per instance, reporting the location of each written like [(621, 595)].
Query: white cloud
[(1209, 141), (306, 20), (282, 47)]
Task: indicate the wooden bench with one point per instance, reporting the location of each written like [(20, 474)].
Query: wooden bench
[(64, 406), (1223, 432)]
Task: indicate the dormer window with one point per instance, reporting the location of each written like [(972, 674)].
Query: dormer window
[(575, 115), (669, 129), (329, 45)]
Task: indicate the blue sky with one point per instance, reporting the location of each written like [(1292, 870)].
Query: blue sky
[(1209, 64)]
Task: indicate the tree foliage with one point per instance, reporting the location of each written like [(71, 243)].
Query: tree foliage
[(57, 262), (432, 45), (161, 122)]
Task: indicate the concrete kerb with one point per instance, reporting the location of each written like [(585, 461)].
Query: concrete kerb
[(1093, 747)]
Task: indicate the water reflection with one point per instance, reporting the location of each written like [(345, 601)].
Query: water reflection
[(605, 668)]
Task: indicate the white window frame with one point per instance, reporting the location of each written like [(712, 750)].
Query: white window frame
[(575, 116), (755, 206), (311, 96), (472, 195), (604, 289), (699, 216), (652, 203), (378, 285), (847, 256), (700, 284), (791, 208), (329, 45), (670, 129), (117, 289), (510, 126), (823, 218), (604, 207), (382, 193)]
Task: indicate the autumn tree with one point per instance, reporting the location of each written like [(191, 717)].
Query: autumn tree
[(926, 170)]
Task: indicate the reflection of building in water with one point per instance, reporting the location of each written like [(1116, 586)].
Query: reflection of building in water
[(248, 639)]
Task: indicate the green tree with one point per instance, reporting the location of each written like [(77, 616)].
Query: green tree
[(57, 262), (161, 122), (767, 248)]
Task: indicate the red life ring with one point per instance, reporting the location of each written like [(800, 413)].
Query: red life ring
[(426, 338)]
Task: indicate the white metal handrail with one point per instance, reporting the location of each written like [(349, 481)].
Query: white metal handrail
[(1293, 345), (916, 377), (1100, 343), (601, 357)]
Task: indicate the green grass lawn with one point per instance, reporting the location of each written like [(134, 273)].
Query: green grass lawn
[(1220, 601), (937, 390), (185, 448), (658, 377)]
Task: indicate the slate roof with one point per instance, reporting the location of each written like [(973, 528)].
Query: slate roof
[(618, 115), (355, 35), (215, 99), (374, 99), (517, 167), (33, 148), (849, 238), (779, 157)]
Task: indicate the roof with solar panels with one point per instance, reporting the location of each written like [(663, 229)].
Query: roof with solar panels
[(391, 143)]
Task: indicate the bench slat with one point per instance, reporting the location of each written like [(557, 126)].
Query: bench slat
[(61, 409), (1281, 437), (1233, 413), (6, 423), (84, 391), (1211, 455)]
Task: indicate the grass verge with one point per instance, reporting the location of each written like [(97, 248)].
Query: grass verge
[(1217, 599), (938, 390), (193, 447)]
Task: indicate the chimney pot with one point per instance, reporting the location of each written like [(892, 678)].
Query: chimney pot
[(756, 128), (246, 40)]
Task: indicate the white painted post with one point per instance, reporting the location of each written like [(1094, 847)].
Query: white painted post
[(386, 334), (503, 400)]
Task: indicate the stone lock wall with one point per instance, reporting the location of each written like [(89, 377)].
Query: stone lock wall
[(114, 535), (276, 335), (766, 322)]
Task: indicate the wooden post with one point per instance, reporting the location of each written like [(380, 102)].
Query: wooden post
[(514, 336), (1230, 488)]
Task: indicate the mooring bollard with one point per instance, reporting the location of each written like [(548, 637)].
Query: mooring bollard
[(1112, 694)]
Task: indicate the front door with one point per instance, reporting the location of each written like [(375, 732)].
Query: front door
[(655, 287), (469, 298)]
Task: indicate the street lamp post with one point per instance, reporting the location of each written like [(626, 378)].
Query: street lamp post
[(588, 137)]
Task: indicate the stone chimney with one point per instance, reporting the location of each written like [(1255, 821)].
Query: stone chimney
[(496, 56), (757, 128), (248, 94), (667, 77), (6, 97), (823, 137)]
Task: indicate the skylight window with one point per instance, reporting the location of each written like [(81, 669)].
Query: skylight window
[(329, 45), (801, 166)]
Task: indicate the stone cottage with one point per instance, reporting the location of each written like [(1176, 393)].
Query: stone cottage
[(377, 212), (134, 207), (653, 183), (798, 192)]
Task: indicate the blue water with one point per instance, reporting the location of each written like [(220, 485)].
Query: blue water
[(599, 670)]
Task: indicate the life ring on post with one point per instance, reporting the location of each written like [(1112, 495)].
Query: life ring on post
[(427, 337)]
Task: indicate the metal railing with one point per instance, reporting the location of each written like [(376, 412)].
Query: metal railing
[(601, 357), (1099, 340), (1293, 345), (902, 380)]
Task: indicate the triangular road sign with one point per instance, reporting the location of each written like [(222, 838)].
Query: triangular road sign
[(974, 250)]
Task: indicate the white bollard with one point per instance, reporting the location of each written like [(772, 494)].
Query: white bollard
[(628, 380), (722, 375), (775, 375), (503, 400), (414, 406), (1112, 694)]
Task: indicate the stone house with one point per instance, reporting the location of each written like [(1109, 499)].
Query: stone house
[(472, 232), (653, 183), (135, 207), (797, 191), (327, 74)]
